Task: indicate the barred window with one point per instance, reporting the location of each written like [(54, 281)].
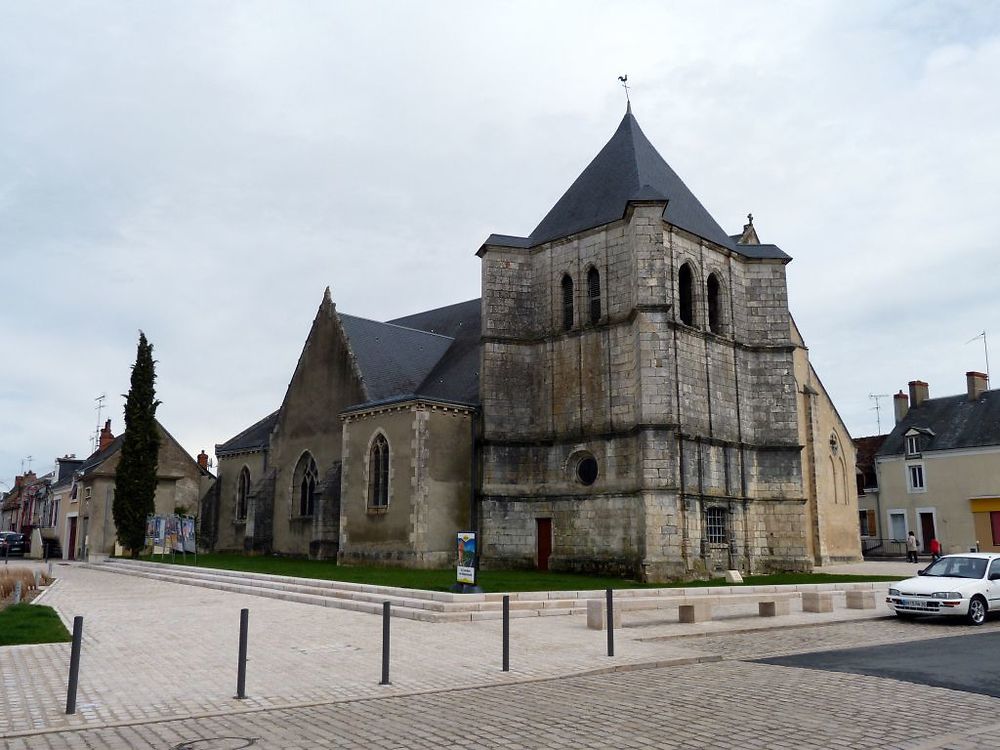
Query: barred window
[(594, 294), (306, 477), (567, 302), (242, 494), (715, 525), (378, 473)]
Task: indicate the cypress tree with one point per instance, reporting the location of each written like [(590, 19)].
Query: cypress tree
[(135, 477)]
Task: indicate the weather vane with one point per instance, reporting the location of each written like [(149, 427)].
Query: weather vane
[(624, 80)]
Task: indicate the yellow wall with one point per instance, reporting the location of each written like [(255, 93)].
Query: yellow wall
[(952, 479)]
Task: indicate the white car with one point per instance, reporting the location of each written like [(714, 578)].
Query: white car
[(967, 585)]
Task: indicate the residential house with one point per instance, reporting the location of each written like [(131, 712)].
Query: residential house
[(869, 504), (182, 483), (939, 469)]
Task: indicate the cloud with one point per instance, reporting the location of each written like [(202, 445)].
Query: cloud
[(203, 171)]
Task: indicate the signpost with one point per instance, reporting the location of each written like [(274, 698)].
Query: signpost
[(466, 568)]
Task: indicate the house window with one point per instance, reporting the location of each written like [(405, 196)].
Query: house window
[(912, 445), (915, 478), (306, 478), (685, 294), (378, 473), (87, 492), (714, 305), (242, 494), (594, 294), (567, 302), (715, 525)]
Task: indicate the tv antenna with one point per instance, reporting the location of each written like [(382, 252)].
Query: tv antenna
[(97, 432), (878, 409), (986, 351)]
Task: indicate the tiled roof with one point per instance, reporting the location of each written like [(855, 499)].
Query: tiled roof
[(954, 421)]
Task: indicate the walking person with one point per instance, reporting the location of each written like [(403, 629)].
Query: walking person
[(911, 547), (935, 548)]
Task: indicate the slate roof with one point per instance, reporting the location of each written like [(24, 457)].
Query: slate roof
[(254, 437), (955, 422), (96, 458), (456, 375), (629, 168), (393, 360)]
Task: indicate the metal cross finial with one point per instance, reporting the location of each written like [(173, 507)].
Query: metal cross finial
[(750, 219), (624, 80)]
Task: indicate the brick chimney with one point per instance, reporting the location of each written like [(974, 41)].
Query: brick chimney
[(918, 392), (976, 384), (900, 405), (107, 437), (203, 459)]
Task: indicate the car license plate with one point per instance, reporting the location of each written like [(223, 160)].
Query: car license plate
[(907, 602)]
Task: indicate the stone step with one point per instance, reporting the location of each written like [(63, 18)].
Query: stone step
[(403, 605)]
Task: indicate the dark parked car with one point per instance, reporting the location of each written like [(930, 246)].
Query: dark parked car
[(11, 544)]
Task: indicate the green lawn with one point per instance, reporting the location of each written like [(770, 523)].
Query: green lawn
[(492, 581), (29, 623)]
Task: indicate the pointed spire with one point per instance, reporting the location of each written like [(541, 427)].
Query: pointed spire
[(326, 295), (627, 168)]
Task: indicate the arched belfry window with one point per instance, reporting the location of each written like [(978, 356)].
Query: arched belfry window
[(242, 494), (378, 473), (304, 484), (594, 294), (685, 294), (567, 302), (714, 304)]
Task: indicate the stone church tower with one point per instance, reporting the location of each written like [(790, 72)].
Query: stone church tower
[(637, 387)]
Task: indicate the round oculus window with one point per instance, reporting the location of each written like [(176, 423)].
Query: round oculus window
[(586, 470)]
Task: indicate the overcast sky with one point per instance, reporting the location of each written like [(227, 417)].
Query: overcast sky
[(203, 170)]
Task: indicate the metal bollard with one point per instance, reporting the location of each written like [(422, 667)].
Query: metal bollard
[(6, 552), (506, 633), (611, 622), (50, 569), (385, 643), (74, 665), (17, 592), (241, 667), (38, 579)]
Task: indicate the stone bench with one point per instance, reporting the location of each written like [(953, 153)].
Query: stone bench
[(860, 599), (689, 608), (596, 614), (768, 605), (819, 601)]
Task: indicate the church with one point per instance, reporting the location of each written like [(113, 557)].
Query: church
[(629, 396)]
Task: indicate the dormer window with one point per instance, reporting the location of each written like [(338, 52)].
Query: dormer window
[(912, 445)]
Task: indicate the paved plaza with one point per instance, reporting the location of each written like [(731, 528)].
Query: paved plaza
[(159, 671)]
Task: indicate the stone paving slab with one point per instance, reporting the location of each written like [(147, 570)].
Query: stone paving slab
[(702, 706), (155, 650)]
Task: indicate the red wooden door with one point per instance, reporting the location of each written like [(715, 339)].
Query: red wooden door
[(544, 531)]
